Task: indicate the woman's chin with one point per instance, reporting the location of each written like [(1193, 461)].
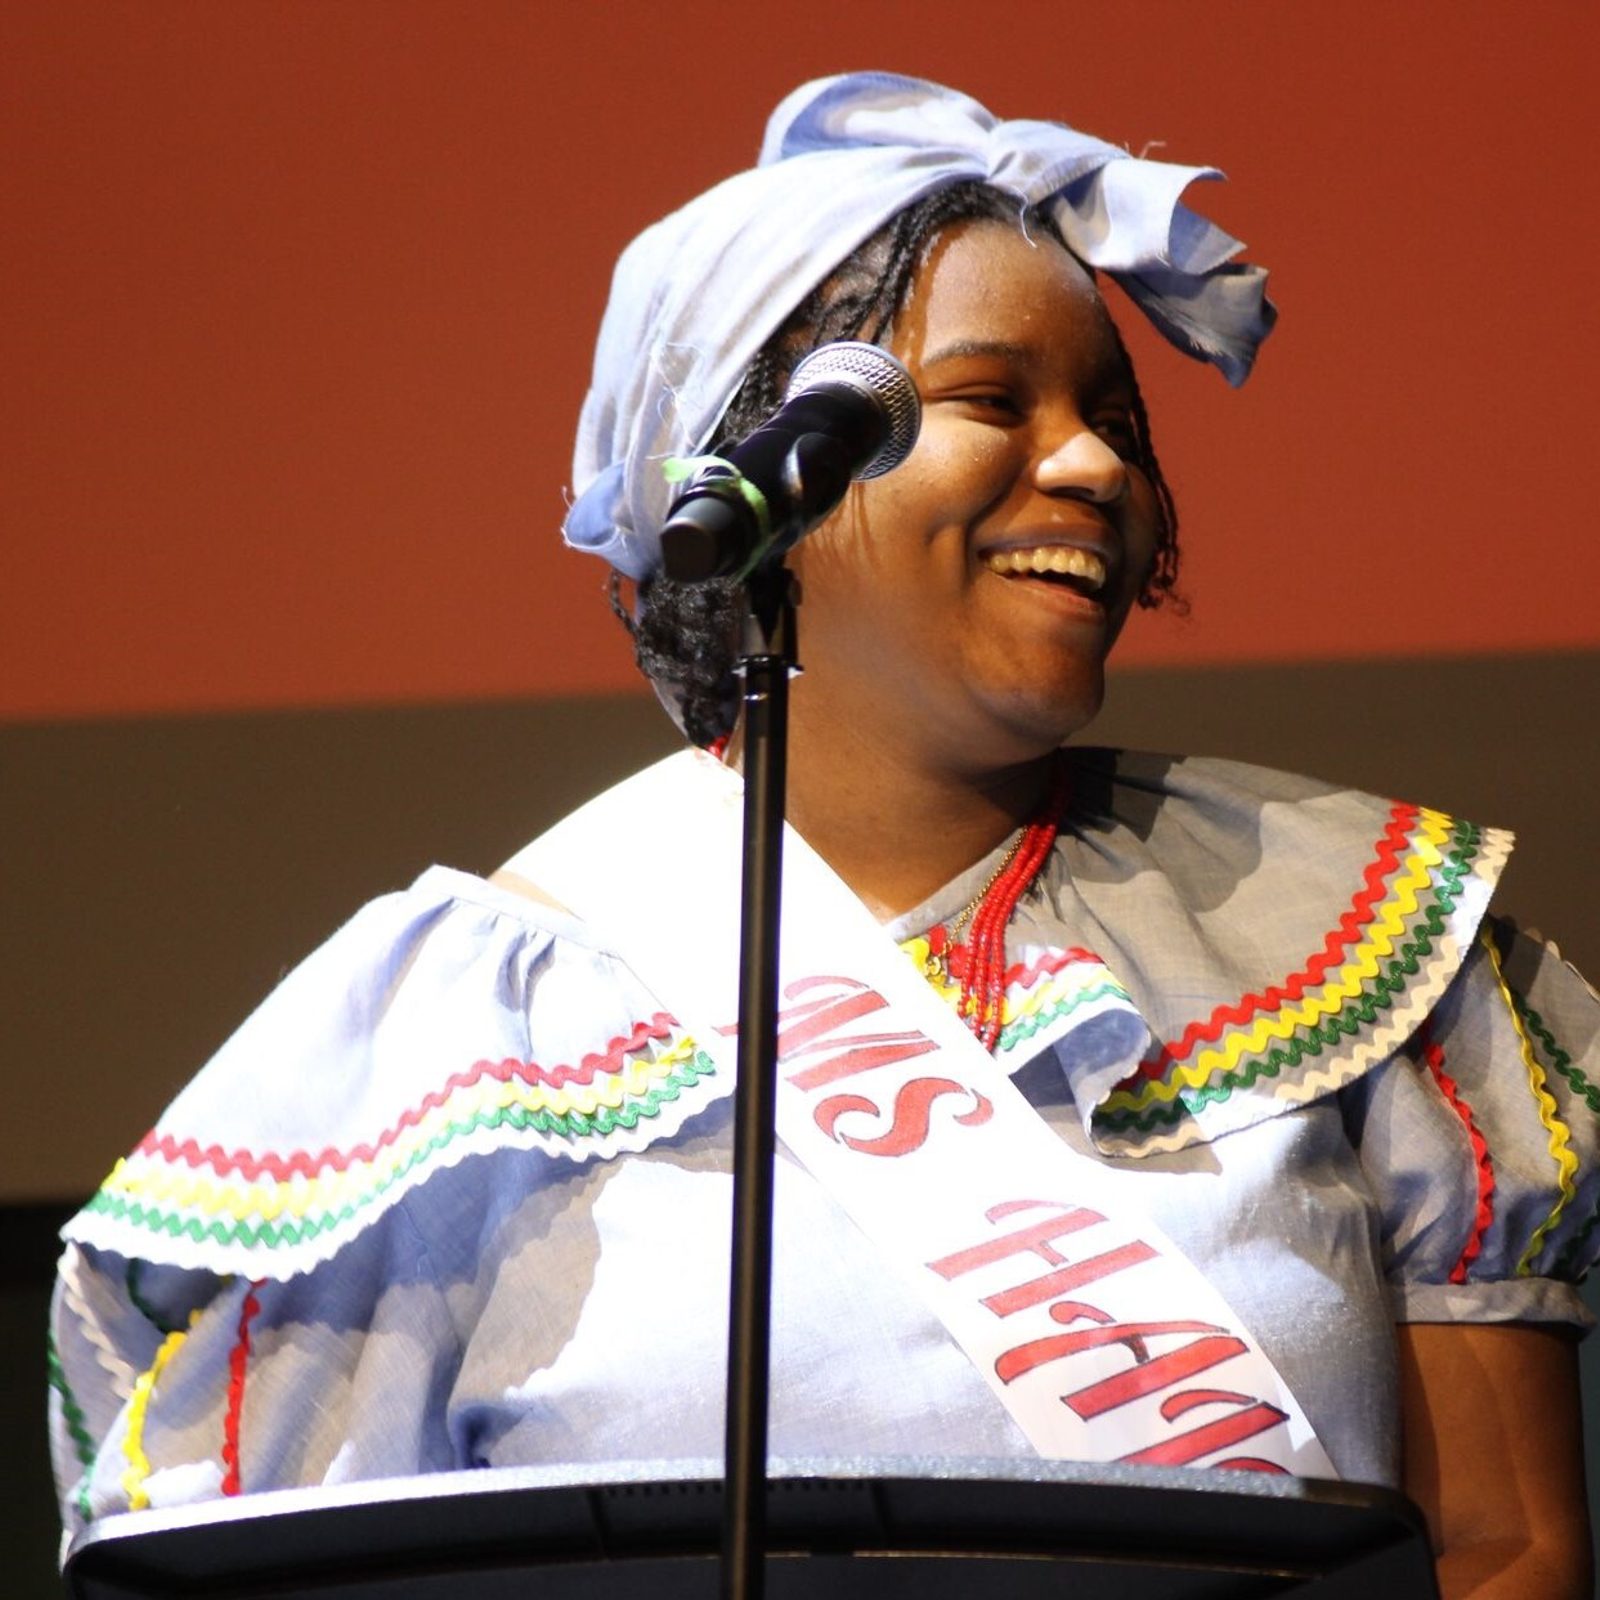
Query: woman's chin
[(1028, 725)]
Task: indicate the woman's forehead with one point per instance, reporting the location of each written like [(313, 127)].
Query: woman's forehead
[(990, 287)]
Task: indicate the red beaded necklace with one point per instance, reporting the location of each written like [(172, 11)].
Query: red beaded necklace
[(980, 960)]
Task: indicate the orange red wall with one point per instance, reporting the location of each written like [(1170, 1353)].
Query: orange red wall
[(300, 297)]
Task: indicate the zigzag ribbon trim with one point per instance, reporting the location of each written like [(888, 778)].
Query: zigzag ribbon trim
[(1558, 1057), (316, 1195), (300, 1163), (77, 1425), (73, 1298), (347, 1182), (130, 1283), (1041, 1017), (133, 1480), (1483, 1167), (1567, 1263), (1559, 1141), (1037, 994), (1364, 991), (1364, 910), (1021, 976), (238, 1362), (275, 1235)]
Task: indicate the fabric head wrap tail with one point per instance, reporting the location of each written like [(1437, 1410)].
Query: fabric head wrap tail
[(696, 296)]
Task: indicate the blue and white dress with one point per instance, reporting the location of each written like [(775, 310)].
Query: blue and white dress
[(458, 1193)]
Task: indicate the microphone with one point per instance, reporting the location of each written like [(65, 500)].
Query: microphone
[(851, 411)]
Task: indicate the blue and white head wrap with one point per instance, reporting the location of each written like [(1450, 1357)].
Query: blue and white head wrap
[(696, 296)]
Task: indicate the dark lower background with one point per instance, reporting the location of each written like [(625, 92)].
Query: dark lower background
[(161, 874)]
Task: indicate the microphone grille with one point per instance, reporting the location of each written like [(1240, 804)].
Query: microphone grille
[(871, 369)]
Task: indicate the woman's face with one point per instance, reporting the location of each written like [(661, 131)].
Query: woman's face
[(963, 604)]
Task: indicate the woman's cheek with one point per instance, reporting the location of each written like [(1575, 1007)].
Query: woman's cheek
[(952, 468)]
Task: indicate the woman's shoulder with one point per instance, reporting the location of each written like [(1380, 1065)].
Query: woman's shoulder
[(1112, 782), (444, 1021), (1281, 935), (1217, 827)]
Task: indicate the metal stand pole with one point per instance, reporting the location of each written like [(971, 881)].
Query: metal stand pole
[(767, 661)]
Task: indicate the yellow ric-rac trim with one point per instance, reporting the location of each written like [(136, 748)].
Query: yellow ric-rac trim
[(133, 1480), (1049, 989), (1054, 988), (1560, 1141), (160, 1184), (1387, 925)]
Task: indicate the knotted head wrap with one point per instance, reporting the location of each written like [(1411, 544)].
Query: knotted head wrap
[(697, 295)]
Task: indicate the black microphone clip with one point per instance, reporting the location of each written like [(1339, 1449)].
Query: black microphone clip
[(851, 412)]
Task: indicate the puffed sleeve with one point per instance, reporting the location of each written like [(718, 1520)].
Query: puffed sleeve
[(172, 1386), (1480, 1141), (255, 1299)]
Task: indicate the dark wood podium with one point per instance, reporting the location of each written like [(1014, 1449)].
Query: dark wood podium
[(881, 1529)]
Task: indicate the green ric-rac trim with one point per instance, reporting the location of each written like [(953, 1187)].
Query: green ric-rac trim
[(1558, 1057), (1361, 1012), (1566, 1265), (137, 1300), (1024, 1028), (279, 1235), (77, 1426)]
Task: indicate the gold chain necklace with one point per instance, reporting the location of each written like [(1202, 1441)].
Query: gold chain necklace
[(943, 937)]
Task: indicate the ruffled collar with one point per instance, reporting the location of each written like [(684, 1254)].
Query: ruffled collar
[(1271, 938), (1210, 945)]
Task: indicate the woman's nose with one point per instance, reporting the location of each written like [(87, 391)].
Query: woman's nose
[(1085, 466)]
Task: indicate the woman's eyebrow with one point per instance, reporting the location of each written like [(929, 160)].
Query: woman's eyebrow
[(1115, 377), (1004, 349)]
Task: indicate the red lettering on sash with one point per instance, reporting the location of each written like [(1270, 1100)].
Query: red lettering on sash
[(1035, 1237), (908, 1129), (1148, 1375), (1252, 1417), (1202, 1345), (807, 1029), (1065, 1279), (864, 1052), (1158, 1372)]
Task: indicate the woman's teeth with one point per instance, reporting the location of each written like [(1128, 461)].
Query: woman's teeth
[(1057, 560)]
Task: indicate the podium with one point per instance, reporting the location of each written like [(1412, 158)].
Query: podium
[(880, 1529)]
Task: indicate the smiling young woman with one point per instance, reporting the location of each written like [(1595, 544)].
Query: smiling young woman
[(1227, 1129), (944, 657)]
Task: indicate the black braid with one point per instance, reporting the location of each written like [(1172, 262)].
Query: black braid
[(619, 608), (685, 634), (1160, 584)]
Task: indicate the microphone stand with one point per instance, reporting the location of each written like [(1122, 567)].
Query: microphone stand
[(767, 660)]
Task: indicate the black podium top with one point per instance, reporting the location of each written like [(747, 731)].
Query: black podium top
[(880, 1529)]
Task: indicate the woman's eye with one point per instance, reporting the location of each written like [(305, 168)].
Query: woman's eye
[(1118, 431), (992, 401)]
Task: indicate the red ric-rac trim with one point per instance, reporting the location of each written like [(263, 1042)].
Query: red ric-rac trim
[(301, 1162), (1386, 861), (1433, 1055), (1024, 974), (238, 1363)]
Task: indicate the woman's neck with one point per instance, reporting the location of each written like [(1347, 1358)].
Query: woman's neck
[(897, 827)]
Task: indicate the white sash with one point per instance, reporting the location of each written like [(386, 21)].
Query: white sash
[(1100, 1338)]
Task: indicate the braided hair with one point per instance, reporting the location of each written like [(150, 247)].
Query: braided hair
[(684, 633)]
